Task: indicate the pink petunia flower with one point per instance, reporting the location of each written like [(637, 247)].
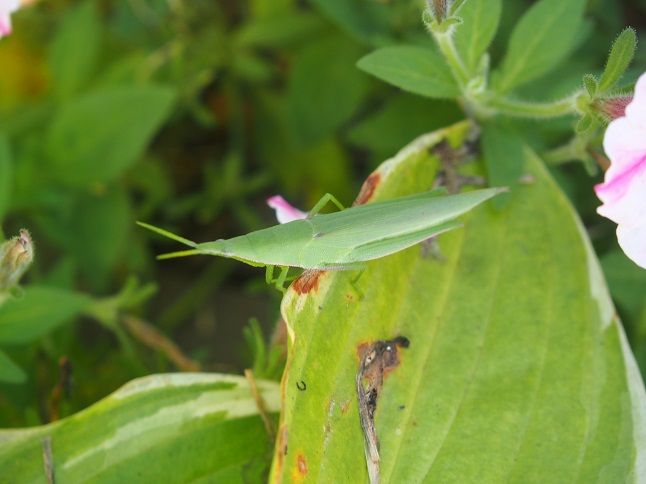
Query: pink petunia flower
[(284, 211), (623, 191), (7, 7)]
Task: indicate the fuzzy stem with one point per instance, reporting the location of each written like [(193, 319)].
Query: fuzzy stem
[(526, 109), (447, 48)]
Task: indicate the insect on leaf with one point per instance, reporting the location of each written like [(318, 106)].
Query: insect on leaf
[(345, 239)]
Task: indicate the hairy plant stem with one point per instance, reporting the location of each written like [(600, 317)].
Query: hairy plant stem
[(447, 48), (563, 154), (527, 109)]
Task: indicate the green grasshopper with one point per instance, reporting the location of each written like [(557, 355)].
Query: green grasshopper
[(341, 240)]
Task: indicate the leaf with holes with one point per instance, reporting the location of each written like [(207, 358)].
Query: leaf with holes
[(516, 358)]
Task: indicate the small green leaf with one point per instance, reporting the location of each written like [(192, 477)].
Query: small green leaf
[(414, 69), (590, 84), (542, 38), (96, 137), (75, 49), (6, 177), (584, 124), (188, 427), (480, 23), (621, 54), (504, 157), (36, 312), (456, 5), (9, 371), (319, 104)]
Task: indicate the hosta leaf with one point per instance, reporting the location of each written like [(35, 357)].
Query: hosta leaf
[(517, 368), (161, 428)]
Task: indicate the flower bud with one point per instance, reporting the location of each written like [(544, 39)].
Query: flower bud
[(438, 9), (613, 108), (16, 255)]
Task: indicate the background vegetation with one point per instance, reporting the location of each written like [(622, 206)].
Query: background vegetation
[(188, 114)]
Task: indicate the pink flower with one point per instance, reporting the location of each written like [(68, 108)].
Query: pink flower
[(284, 211), (623, 191), (7, 7)]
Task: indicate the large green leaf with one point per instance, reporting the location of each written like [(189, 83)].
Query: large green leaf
[(96, 137), (161, 428), (75, 48), (517, 369), (38, 311)]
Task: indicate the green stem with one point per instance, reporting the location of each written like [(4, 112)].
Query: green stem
[(526, 109), (447, 48), (568, 152)]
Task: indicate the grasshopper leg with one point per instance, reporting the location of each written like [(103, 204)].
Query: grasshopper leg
[(325, 199)]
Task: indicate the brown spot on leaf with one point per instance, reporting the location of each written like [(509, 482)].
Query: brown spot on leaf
[(376, 360), (302, 464), (345, 406), (368, 188), (308, 281), (281, 449)]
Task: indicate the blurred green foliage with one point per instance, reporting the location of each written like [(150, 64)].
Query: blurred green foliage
[(188, 114)]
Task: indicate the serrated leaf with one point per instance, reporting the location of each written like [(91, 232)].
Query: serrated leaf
[(74, 50), (480, 20), (9, 371), (6, 177), (621, 54), (161, 428), (541, 39), (96, 137), (504, 156), (516, 358), (414, 69), (36, 312)]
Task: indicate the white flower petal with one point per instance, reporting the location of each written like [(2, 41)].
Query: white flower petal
[(636, 110), (633, 242), (624, 197), (623, 191), (284, 211), (5, 24)]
